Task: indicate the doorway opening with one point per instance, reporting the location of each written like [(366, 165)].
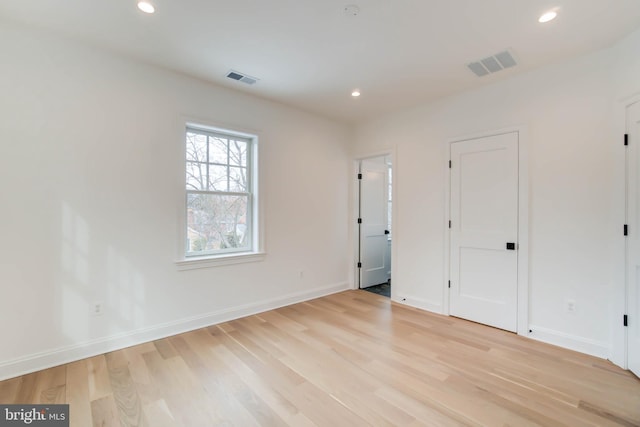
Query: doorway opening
[(374, 224)]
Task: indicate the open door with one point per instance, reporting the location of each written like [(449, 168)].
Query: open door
[(374, 242), (632, 230)]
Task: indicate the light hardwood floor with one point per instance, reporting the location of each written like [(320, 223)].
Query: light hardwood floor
[(349, 359)]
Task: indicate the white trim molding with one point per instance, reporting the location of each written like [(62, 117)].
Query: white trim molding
[(73, 352), (423, 304), (219, 260), (572, 342)]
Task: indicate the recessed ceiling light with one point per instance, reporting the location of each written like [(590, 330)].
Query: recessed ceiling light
[(355, 93), (549, 16), (146, 7)]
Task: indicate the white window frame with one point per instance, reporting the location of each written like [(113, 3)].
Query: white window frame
[(255, 252)]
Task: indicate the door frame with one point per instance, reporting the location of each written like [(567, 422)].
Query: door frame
[(355, 208), (619, 334), (523, 221)]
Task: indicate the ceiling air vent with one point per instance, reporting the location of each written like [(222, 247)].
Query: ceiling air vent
[(234, 75), (492, 64)]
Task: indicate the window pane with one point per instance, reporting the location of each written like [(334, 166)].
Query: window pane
[(237, 179), (196, 147), (237, 153), (217, 150), (196, 176), (216, 222), (218, 178)]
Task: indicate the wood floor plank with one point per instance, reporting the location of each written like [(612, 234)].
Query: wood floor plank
[(165, 348), (50, 385), (137, 365), (352, 359), (53, 395), (9, 390), (215, 378), (27, 391), (608, 415), (278, 388), (77, 394), (185, 393), (422, 412), (166, 383), (158, 414), (348, 390), (99, 383), (104, 412), (125, 396), (320, 407)]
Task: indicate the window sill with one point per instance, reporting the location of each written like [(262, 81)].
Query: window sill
[(219, 260)]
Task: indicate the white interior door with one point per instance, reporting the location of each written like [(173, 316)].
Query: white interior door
[(633, 238), (484, 230), (373, 213)]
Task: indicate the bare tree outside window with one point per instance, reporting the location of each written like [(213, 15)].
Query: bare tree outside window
[(219, 197)]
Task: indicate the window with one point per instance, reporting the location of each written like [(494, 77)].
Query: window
[(220, 199)]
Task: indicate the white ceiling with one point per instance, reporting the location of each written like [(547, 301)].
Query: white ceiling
[(309, 54)]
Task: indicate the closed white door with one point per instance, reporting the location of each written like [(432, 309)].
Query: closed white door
[(484, 230), (373, 214), (633, 238)]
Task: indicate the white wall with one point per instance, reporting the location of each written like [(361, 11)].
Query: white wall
[(568, 110), (90, 178)]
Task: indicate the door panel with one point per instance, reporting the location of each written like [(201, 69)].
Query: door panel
[(633, 238), (373, 211), (481, 273), (484, 216)]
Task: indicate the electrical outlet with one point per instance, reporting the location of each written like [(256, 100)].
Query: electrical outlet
[(97, 308), (571, 305)]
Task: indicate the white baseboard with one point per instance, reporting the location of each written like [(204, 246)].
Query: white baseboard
[(71, 353), (428, 305), (561, 339), (572, 342)]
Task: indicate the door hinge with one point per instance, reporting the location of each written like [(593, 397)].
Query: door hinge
[(449, 223), (359, 265), (626, 139), (449, 284), (449, 164), (625, 320), (359, 176), (626, 230), (359, 220)]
